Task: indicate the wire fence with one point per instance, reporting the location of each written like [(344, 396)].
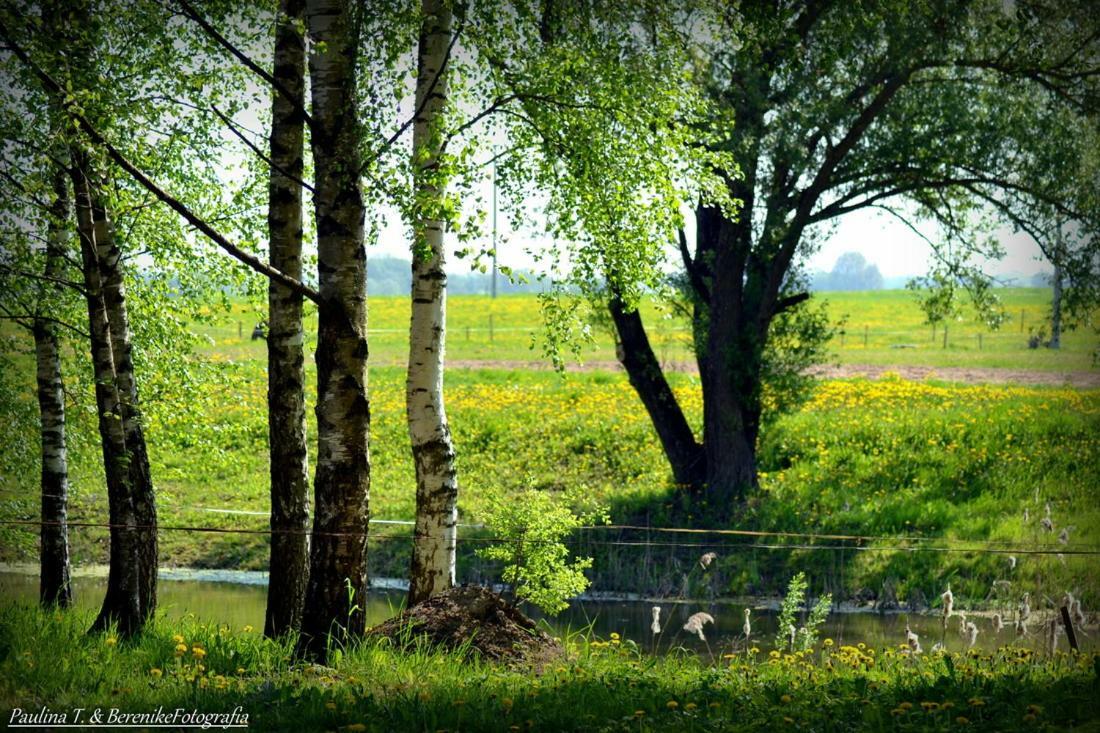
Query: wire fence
[(807, 540)]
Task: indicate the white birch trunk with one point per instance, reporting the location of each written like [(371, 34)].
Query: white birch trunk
[(335, 594), (433, 557)]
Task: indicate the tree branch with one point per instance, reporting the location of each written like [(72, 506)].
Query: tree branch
[(176, 205), (256, 150), (190, 11)]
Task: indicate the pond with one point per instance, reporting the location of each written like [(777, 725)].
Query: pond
[(238, 598)]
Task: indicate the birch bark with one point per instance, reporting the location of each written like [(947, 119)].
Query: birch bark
[(122, 602), (433, 556), (286, 411), (337, 576), (55, 587), (142, 498)]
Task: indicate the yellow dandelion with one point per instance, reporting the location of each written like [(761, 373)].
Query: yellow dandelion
[(177, 638), (672, 704), (181, 649), (785, 699), (198, 652), (690, 706), (962, 720), (156, 673), (111, 641), (247, 628)]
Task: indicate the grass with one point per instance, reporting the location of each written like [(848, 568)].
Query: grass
[(882, 458), (47, 660), (509, 329)]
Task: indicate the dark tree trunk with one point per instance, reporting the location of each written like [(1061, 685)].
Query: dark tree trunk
[(337, 576), (286, 411), (684, 454), (109, 258), (122, 603), (55, 588)]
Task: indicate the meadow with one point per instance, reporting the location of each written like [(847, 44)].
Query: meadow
[(603, 684), (942, 473), (882, 327)]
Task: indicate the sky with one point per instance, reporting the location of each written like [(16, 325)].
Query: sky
[(882, 239)]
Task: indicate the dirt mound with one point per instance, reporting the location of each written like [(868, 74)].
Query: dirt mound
[(475, 619)]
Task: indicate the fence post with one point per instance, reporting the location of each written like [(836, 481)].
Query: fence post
[(1068, 624)]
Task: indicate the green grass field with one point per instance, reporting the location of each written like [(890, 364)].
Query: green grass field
[(509, 329)]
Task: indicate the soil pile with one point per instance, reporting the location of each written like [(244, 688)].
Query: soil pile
[(474, 619)]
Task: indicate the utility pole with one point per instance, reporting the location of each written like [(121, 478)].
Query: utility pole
[(494, 280)]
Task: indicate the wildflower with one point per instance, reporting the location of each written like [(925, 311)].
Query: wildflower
[(962, 720), (714, 705), (672, 704), (785, 699), (774, 654), (240, 670), (747, 628), (690, 706), (181, 649), (247, 628), (614, 636), (198, 652), (706, 559), (827, 642), (976, 702), (156, 673), (906, 706), (177, 638), (930, 707), (111, 641), (639, 713), (655, 627), (696, 622)]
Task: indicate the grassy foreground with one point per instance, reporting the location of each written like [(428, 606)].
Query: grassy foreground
[(601, 685)]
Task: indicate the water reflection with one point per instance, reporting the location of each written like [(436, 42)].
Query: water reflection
[(239, 604)]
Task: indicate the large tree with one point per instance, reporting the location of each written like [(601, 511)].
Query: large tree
[(823, 109)]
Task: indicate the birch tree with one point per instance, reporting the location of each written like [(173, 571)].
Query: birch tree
[(288, 571), (433, 556), (337, 576)]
